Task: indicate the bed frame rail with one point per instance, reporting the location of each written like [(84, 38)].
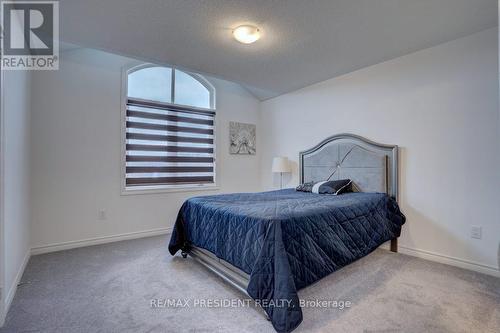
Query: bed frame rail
[(215, 265), (228, 273)]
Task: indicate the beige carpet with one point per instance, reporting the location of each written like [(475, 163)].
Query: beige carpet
[(109, 288)]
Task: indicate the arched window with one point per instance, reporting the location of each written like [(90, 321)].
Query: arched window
[(169, 129)]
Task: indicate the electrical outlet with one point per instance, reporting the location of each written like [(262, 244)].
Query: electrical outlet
[(101, 215), (475, 232)]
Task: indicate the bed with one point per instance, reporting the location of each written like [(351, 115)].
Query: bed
[(271, 244)]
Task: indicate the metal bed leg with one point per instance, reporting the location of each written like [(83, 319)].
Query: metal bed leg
[(394, 245)]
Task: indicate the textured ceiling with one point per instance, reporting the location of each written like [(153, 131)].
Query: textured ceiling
[(303, 42)]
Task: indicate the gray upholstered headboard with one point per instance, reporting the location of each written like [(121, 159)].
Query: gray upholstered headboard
[(373, 167)]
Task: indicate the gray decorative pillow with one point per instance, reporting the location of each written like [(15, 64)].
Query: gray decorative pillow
[(306, 187), (327, 187)]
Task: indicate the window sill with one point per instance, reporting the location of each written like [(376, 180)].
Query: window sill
[(164, 189)]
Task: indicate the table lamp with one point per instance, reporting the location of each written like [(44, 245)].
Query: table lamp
[(281, 165)]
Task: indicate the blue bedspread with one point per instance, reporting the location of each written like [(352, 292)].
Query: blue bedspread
[(286, 240)]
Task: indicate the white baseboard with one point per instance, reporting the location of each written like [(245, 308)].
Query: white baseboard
[(444, 259), (11, 292), (424, 254), (98, 240)]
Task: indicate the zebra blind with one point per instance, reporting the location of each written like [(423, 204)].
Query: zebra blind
[(168, 145)]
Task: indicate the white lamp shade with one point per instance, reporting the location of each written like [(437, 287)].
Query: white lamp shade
[(280, 164)]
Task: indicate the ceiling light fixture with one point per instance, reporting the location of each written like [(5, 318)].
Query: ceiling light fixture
[(246, 34)]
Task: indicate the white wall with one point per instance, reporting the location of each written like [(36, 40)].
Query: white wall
[(440, 105), (76, 153), (16, 177)]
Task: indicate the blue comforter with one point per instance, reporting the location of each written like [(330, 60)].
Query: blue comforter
[(286, 240)]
